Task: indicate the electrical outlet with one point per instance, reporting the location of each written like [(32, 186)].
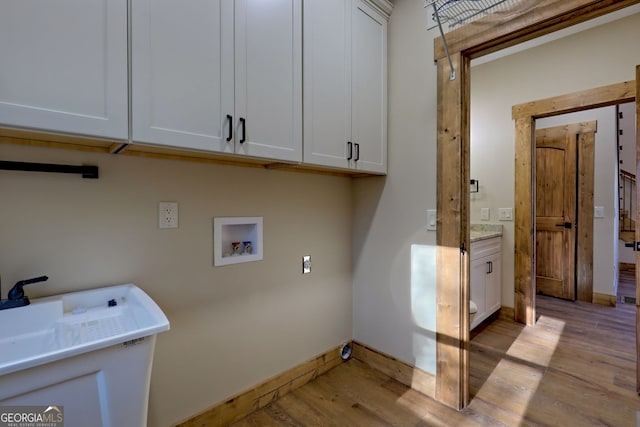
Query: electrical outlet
[(484, 214), (168, 214), (306, 264)]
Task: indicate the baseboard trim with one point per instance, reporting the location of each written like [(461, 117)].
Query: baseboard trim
[(604, 299), (243, 404), (408, 375), (507, 313)]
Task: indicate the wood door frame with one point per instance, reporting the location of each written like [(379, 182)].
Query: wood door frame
[(526, 20), (525, 116)]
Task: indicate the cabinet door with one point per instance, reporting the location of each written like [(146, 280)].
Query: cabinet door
[(182, 73), (477, 284), (268, 85), (494, 284), (64, 66), (369, 85), (327, 82)]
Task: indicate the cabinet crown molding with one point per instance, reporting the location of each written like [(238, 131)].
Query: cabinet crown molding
[(383, 6)]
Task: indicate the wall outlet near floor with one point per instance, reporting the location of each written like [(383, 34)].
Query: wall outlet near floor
[(505, 214), (306, 264), (484, 214), (168, 214)]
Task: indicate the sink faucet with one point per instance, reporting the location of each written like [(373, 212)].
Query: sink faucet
[(16, 296)]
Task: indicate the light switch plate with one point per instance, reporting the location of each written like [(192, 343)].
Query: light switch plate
[(431, 219), (484, 214), (598, 212), (505, 214)]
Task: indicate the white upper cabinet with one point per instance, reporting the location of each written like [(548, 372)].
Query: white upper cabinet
[(268, 85), (345, 75), (64, 66), (182, 73), (327, 82), (369, 89), (219, 75)]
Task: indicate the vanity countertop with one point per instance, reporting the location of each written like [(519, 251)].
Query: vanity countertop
[(485, 231)]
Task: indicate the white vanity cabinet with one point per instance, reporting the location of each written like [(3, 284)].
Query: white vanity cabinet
[(64, 66), (345, 84), (218, 75), (486, 282)]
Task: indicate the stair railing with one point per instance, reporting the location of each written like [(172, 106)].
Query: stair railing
[(627, 202)]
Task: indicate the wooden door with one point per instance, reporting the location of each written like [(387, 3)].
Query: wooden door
[(556, 212)]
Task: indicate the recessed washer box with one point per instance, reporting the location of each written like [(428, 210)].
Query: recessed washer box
[(236, 240)]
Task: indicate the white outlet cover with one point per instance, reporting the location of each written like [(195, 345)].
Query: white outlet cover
[(505, 214), (484, 214), (168, 215), (431, 219), (598, 212)]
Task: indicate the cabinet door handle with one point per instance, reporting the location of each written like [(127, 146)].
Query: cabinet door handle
[(489, 267), (349, 150), (357, 152), (230, 119), (244, 130)]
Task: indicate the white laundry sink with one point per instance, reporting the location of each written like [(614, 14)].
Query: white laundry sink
[(90, 351)]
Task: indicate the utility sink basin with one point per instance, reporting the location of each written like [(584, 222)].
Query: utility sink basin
[(89, 352), (60, 326)]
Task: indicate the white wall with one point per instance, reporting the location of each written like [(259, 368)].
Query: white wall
[(605, 193), (231, 327), (394, 261), (600, 56)]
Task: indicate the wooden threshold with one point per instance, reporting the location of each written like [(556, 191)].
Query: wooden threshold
[(625, 266)]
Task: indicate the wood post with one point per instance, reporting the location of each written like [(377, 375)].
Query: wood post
[(452, 275)]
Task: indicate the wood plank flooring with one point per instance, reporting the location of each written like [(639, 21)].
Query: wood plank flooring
[(575, 367)]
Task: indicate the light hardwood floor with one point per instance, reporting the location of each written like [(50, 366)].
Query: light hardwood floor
[(576, 367)]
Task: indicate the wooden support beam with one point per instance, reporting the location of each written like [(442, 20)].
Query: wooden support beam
[(603, 96), (452, 275), (525, 309), (526, 20), (585, 243)]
